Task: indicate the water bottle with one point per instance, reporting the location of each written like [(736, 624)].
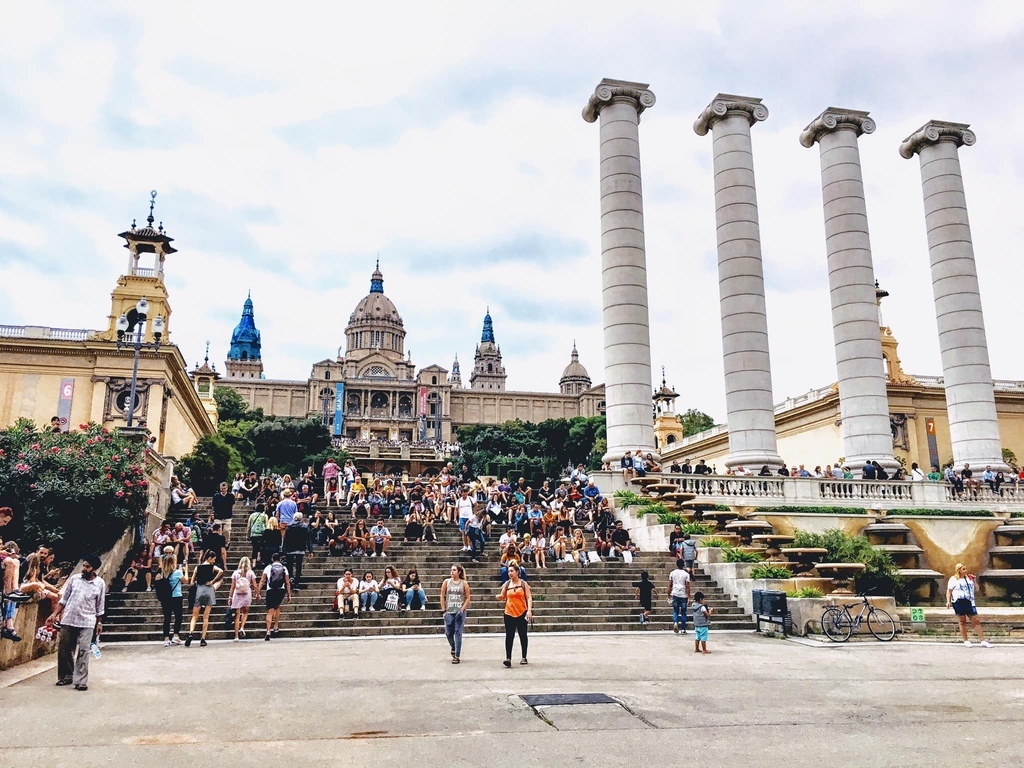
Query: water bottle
[(95, 650)]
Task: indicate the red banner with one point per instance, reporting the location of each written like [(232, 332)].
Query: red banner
[(423, 401)]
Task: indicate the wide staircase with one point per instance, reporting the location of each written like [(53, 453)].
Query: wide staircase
[(566, 597)]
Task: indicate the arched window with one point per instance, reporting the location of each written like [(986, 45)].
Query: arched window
[(376, 370), (433, 379), (670, 439), (245, 355), (490, 368), (327, 375)]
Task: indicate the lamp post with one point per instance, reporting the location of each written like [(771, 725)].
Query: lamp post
[(130, 332)]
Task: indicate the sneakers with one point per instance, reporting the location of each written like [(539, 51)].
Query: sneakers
[(267, 637), (175, 640), (675, 628), (202, 642), (188, 640), (383, 554), (423, 608), (167, 643), (373, 555), (10, 634), (986, 644), (968, 643)]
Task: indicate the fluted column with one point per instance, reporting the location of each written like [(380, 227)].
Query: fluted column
[(863, 401), (970, 399), (627, 337), (748, 371)]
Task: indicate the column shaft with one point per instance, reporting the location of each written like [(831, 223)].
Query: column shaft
[(627, 343), (863, 400), (747, 363), (970, 397)]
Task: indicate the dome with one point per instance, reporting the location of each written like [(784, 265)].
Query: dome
[(375, 307), (575, 369)]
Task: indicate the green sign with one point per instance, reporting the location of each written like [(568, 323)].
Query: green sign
[(917, 615)]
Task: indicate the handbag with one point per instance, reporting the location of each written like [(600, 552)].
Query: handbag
[(391, 604)]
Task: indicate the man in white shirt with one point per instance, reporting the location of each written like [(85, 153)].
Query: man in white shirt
[(464, 505), (79, 614), (381, 538), (679, 596)]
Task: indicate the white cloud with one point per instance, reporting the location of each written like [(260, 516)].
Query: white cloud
[(441, 133)]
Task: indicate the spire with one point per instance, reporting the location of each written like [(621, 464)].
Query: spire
[(575, 354), (488, 332), (377, 280), (206, 359), (663, 385), (152, 202)]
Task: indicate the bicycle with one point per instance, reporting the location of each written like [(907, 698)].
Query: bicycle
[(838, 623)]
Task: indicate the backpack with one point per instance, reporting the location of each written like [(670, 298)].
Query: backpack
[(242, 584), (276, 580), (257, 524), (162, 588)]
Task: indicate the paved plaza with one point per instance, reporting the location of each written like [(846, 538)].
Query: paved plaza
[(398, 701)]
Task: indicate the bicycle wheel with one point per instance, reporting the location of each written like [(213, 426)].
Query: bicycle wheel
[(835, 624), (881, 625)]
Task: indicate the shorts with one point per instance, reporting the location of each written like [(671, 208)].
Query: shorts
[(963, 607), (274, 598), (205, 596), (462, 524), (646, 605), (700, 634)]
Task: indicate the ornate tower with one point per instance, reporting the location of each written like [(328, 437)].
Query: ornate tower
[(204, 379), (244, 358), (488, 372), (575, 378), (455, 379), (138, 282), (667, 428)]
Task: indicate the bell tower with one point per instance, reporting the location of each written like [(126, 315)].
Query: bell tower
[(143, 281), (488, 372)]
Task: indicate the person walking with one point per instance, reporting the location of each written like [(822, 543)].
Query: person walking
[(679, 595), (206, 577), (168, 592), (644, 591), (298, 542), (243, 585), (279, 588), (455, 597), (960, 597), (516, 595), (222, 503), (79, 615), (256, 525)]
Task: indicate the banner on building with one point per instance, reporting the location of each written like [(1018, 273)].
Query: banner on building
[(339, 407), (423, 401), (933, 445), (67, 392)]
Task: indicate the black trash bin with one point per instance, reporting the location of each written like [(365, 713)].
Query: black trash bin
[(770, 606)]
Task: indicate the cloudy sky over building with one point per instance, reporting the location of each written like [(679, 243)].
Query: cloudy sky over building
[(293, 143)]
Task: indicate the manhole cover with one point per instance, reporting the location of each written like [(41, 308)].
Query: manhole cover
[(566, 699)]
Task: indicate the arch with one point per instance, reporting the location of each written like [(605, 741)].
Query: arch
[(377, 370), (405, 405), (670, 439), (379, 400), (327, 375), (490, 368), (433, 379)]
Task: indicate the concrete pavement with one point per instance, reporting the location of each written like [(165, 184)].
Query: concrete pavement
[(399, 701)]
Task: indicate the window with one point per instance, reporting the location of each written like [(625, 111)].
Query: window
[(490, 368), (377, 339), (376, 370), (245, 355), (327, 375), (670, 439), (433, 379)]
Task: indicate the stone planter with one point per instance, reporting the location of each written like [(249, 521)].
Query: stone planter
[(806, 611)]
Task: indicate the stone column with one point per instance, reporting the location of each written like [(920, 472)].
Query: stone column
[(748, 371), (863, 400), (627, 338), (970, 399)]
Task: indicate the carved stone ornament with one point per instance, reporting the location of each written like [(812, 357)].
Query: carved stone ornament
[(935, 131), (898, 425), (118, 395), (608, 91), (834, 118), (726, 103)]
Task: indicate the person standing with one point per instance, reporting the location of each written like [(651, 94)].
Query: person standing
[(243, 584), (286, 509), (679, 595), (701, 623), (206, 577), (455, 597), (960, 597), (168, 592), (80, 616), (223, 501), (279, 588), (256, 525), (297, 544), (644, 591), (689, 553), (516, 595), (465, 508)]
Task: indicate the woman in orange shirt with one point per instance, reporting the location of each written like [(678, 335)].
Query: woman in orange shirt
[(515, 593)]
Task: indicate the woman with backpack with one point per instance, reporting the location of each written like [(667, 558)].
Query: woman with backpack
[(257, 525), (270, 541), (168, 591), (206, 578), (243, 585), (279, 588)]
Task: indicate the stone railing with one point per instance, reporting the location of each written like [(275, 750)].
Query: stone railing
[(41, 332), (816, 491)]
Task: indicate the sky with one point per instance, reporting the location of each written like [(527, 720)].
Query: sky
[(291, 144)]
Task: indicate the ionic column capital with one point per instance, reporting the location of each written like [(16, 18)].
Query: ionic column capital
[(833, 119), (935, 131), (609, 91), (725, 104)]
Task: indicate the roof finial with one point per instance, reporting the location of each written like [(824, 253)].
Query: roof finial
[(206, 359), (663, 376), (250, 294), (152, 202)]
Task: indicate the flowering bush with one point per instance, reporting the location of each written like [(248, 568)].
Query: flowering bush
[(75, 490)]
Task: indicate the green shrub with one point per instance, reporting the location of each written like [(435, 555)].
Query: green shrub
[(652, 508), (627, 498), (696, 529), (734, 555), (714, 543), (769, 571), (881, 575), (817, 510), (1018, 513), (941, 513), (805, 592)]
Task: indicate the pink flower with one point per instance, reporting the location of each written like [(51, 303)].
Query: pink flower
[(115, 457), (127, 483), (21, 455), (110, 477), (34, 446), (32, 485), (143, 483), (55, 449), (105, 431), (128, 494), (119, 494), (83, 426)]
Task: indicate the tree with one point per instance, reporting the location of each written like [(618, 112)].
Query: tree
[(695, 421), (230, 405), (79, 490), (211, 462), (285, 445)]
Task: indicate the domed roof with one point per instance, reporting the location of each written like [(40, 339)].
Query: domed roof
[(375, 306), (575, 369)]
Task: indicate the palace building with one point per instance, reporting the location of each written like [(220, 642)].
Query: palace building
[(372, 390)]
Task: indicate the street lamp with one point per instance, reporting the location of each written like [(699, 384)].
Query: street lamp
[(130, 332)]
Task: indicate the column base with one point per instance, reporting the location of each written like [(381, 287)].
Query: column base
[(978, 465), (753, 461), (888, 463)]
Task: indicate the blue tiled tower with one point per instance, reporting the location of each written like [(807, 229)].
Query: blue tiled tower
[(244, 358)]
